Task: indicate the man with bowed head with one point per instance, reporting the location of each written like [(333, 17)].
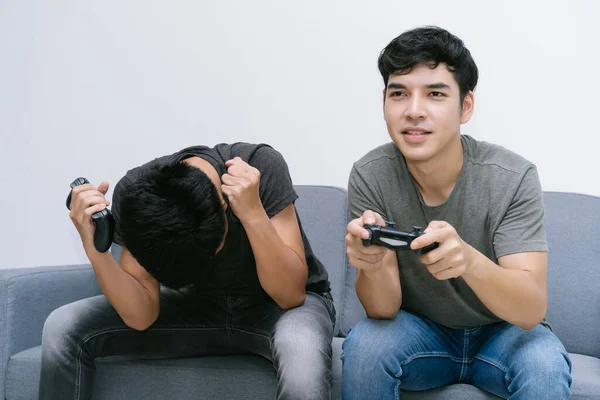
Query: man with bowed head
[(217, 227)]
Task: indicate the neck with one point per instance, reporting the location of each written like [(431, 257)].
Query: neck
[(210, 171), (437, 177)]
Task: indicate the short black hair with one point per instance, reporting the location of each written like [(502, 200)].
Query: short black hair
[(171, 219), (429, 45)]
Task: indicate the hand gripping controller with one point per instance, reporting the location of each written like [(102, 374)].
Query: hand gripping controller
[(388, 236), (105, 223)]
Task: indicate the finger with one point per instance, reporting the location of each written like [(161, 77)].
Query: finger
[(355, 244), (82, 188), (371, 217), (434, 225), (436, 266), (236, 170), (103, 187), (94, 209), (447, 273), (424, 240), (236, 161), (84, 198), (433, 256), (355, 228), (232, 181), (228, 190)]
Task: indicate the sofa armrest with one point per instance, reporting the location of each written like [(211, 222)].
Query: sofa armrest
[(28, 296)]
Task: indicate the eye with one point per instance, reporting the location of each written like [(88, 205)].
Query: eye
[(397, 94), (437, 94)]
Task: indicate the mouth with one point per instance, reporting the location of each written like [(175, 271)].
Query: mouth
[(415, 131)]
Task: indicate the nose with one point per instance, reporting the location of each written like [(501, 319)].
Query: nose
[(415, 108)]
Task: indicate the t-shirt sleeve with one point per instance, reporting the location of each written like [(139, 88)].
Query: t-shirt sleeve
[(118, 238), (276, 189), (522, 227), (362, 195)]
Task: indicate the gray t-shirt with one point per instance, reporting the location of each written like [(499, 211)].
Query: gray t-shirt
[(496, 206)]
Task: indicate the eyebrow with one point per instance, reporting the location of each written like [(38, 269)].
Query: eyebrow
[(438, 85)]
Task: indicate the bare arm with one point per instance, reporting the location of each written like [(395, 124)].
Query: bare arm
[(377, 278), (279, 254), (379, 291), (129, 288), (515, 290), (276, 242)]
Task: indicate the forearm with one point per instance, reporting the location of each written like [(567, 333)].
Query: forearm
[(130, 299), (281, 272), (379, 291), (511, 294)]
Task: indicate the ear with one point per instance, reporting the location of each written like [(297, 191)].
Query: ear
[(467, 107), (383, 104)]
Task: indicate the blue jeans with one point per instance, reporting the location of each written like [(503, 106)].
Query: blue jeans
[(380, 357), (297, 341)]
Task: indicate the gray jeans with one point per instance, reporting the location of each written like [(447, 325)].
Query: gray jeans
[(297, 341)]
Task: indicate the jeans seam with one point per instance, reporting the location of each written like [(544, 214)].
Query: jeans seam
[(464, 360), (250, 332), (492, 363), (423, 355)]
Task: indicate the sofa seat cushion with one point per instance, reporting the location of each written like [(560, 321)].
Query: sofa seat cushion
[(235, 377)]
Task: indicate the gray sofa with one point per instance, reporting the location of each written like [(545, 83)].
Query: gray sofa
[(28, 295)]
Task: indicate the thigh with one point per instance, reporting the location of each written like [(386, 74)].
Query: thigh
[(414, 350), (510, 353), (264, 327), (186, 326)]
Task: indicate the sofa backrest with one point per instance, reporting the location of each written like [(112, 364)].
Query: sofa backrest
[(573, 234), (323, 212)]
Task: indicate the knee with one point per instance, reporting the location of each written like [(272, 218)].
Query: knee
[(544, 367), (60, 329), (367, 341), (301, 345)]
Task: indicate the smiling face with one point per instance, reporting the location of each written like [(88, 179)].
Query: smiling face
[(423, 113)]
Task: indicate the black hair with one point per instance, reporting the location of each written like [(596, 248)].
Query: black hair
[(172, 221), (431, 46)]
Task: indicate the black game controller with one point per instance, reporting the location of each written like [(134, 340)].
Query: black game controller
[(105, 223), (388, 236)]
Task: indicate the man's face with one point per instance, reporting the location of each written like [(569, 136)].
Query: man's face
[(423, 113)]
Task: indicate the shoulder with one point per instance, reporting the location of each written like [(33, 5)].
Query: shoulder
[(494, 159), (380, 157)]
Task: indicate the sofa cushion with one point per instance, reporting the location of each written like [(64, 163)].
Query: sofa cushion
[(233, 377), (573, 234)]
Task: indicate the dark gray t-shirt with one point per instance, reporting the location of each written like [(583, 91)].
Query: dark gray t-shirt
[(496, 206), (233, 270)]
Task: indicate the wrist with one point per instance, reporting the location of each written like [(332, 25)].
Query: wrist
[(94, 255), (251, 218), (474, 264), (371, 273)]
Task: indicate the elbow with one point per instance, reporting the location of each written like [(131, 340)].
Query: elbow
[(140, 324), (290, 301), (533, 321), (527, 325), (382, 314)]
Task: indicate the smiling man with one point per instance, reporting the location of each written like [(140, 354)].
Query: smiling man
[(472, 310)]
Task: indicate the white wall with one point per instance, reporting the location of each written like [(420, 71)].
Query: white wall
[(95, 87)]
